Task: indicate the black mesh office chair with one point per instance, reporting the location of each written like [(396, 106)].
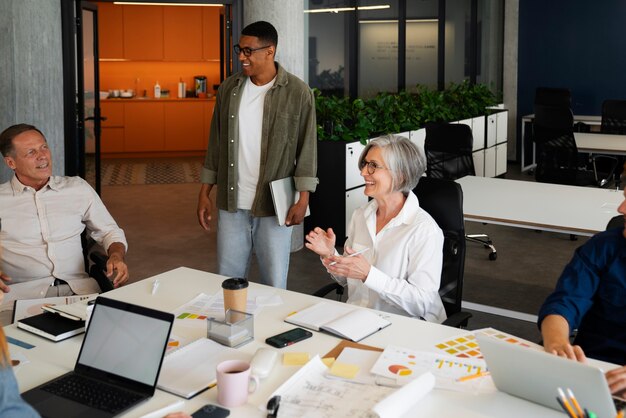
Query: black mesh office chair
[(443, 200), (614, 122), (558, 160), (449, 156)]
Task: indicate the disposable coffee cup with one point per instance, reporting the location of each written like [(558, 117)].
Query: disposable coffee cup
[(235, 293)]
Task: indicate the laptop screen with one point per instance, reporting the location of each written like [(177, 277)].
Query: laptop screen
[(126, 340)]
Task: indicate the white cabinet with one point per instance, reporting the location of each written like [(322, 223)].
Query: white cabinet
[(353, 176), (355, 198), (491, 130), (490, 162), (478, 132), (500, 158), (479, 162)]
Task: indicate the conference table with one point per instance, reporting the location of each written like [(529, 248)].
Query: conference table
[(48, 360), (539, 206)]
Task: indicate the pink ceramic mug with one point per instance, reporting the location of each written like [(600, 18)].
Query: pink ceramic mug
[(234, 382)]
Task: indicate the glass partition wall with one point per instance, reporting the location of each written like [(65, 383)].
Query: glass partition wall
[(358, 48)]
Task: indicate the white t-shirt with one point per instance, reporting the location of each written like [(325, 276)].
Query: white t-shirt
[(249, 154)]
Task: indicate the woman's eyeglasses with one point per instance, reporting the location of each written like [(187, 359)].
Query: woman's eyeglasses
[(371, 166)]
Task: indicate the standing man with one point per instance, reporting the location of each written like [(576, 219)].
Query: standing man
[(263, 129), (43, 217)]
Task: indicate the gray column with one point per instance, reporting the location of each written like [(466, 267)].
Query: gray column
[(31, 71), (509, 82), (288, 18)]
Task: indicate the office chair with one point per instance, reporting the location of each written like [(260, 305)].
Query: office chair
[(615, 222), (614, 122), (95, 263), (551, 96), (443, 200), (449, 156), (558, 158)]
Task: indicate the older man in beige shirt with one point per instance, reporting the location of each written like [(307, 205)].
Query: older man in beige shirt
[(43, 217)]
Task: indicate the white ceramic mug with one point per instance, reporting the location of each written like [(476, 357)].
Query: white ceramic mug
[(234, 382)]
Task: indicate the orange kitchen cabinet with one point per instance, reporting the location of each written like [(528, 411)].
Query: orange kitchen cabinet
[(143, 126), (110, 31), (143, 32), (208, 116), (113, 111), (211, 33), (112, 134), (112, 140), (182, 33), (184, 126)]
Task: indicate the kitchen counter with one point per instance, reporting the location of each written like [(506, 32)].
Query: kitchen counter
[(162, 99)]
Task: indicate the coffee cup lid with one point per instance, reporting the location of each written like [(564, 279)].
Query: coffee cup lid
[(235, 283)]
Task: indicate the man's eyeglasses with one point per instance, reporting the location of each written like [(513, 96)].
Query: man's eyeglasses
[(246, 50), (371, 166)]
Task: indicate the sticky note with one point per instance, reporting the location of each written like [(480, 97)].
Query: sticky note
[(328, 361), (295, 359), (344, 370)]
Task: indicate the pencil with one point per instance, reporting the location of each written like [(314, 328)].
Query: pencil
[(566, 408), (572, 398), (564, 404), (620, 414), (351, 255), (473, 376)]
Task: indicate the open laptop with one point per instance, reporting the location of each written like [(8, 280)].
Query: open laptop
[(535, 375), (118, 365)]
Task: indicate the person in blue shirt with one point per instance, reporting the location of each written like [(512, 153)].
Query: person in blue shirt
[(590, 296)]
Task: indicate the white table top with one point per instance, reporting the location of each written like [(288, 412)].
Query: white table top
[(542, 206), (178, 286), (598, 143), (588, 119)]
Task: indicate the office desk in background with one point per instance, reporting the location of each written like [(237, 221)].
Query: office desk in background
[(541, 206), (597, 143), (528, 162), (48, 359)]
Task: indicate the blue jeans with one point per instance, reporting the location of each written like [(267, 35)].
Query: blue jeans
[(239, 232)]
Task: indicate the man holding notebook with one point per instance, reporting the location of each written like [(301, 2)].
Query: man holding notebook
[(263, 129)]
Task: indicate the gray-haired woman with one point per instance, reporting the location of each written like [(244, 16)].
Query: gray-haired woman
[(399, 269)]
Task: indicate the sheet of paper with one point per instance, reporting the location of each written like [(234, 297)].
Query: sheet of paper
[(194, 313), (309, 394), (400, 401), (466, 346), (403, 365), (364, 359)]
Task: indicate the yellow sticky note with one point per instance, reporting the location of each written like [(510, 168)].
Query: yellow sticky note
[(295, 359), (328, 361), (344, 370)]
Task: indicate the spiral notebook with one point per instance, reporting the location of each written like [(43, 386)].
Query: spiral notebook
[(191, 369)]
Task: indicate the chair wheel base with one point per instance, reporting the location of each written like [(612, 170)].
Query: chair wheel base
[(493, 256)]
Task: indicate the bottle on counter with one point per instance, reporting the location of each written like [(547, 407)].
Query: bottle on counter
[(182, 87), (157, 90)]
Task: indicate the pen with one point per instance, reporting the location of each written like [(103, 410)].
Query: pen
[(159, 413), (155, 286), (272, 406), (351, 255), (579, 411)]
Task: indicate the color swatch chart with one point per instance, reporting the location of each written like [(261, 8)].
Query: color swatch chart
[(465, 346)]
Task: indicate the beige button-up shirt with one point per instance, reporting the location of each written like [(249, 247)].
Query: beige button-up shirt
[(41, 235)]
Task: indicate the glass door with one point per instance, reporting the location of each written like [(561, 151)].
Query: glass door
[(88, 89)]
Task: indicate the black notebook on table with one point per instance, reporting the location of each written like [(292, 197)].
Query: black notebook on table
[(52, 326), (117, 368)]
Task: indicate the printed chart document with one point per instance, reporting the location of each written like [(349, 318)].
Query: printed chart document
[(343, 320), (284, 195), (191, 369)]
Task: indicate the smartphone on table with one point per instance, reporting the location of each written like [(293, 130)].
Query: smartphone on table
[(288, 337), (211, 411)]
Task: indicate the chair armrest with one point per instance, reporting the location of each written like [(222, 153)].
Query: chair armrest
[(98, 269), (329, 288), (458, 319)]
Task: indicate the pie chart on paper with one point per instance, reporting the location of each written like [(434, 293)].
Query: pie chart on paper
[(400, 370)]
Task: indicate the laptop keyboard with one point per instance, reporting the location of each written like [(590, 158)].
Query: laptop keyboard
[(94, 394)]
